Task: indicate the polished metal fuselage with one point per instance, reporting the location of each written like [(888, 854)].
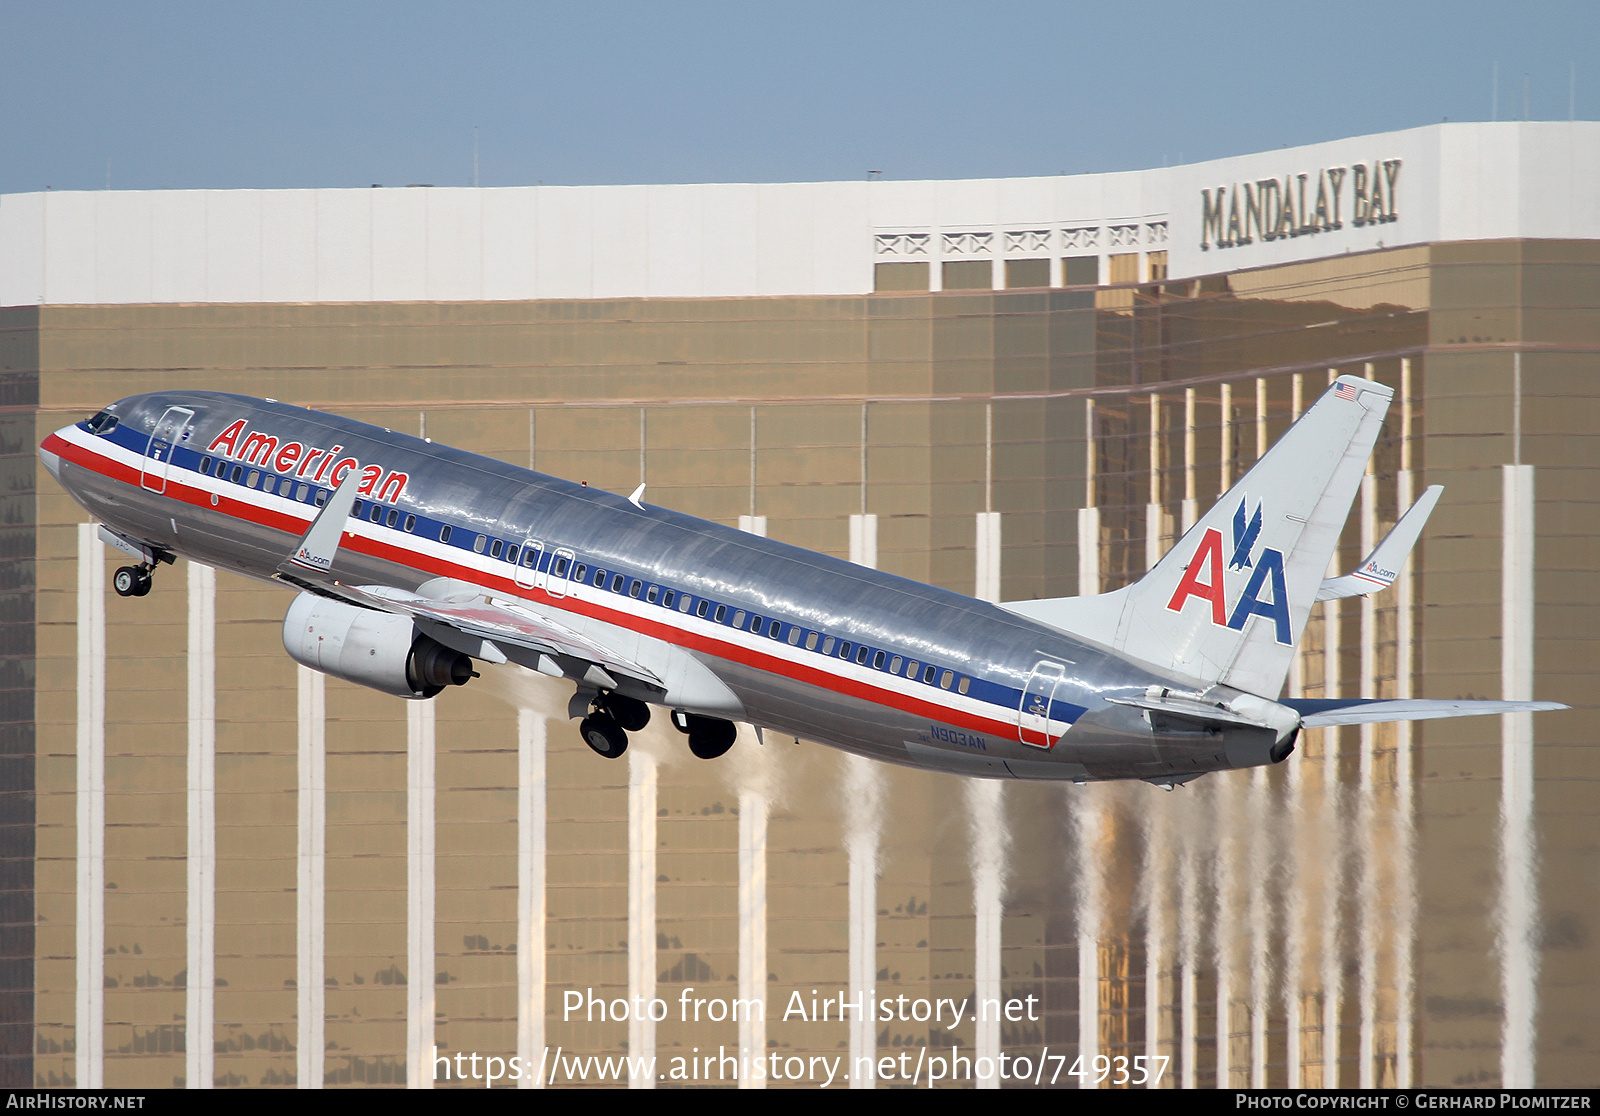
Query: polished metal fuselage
[(1006, 697)]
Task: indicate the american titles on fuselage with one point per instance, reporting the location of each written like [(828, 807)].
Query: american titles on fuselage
[(319, 466), (1295, 206)]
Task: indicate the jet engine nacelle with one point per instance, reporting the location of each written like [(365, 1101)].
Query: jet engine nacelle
[(369, 648)]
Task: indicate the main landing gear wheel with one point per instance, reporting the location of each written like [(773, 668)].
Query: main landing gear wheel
[(631, 713), (602, 733), (131, 581), (708, 736)]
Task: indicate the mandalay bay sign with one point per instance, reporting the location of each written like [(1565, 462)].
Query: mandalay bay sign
[(1299, 204)]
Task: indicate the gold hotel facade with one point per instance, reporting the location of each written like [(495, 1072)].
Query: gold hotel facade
[(221, 869)]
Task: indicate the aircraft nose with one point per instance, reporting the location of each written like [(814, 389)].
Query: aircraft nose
[(52, 461)]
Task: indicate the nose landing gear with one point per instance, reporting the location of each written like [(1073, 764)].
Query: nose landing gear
[(132, 581)]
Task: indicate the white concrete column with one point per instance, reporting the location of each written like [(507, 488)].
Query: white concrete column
[(531, 805), (864, 540), (1405, 818), (863, 824), (200, 990), (641, 906), (1519, 894), (1188, 962), (1191, 511), (988, 848), (752, 928), (753, 812), (987, 582), (311, 928), (1154, 899), (1370, 910), (863, 787), (1225, 442), (1087, 822), (89, 1017), (421, 960)]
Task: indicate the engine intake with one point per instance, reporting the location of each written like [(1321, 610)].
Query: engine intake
[(374, 649)]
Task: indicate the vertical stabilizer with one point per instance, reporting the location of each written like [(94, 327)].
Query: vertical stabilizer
[(1231, 600)]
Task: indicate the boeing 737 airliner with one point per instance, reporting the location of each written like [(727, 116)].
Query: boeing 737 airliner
[(411, 560)]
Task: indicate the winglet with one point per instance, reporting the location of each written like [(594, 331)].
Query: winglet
[(317, 549), (638, 495), (1379, 569)]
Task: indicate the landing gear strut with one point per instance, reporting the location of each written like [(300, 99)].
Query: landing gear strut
[(132, 581)]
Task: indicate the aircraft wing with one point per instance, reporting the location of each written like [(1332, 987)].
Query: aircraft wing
[(1379, 569), (489, 622), (1322, 712), (463, 616)]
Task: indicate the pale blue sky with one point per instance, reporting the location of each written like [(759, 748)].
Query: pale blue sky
[(294, 94)]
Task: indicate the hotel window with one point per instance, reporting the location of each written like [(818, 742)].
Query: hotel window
[(1124, 267), (1080, 271), (1158, 266), (909, 276), (1027, 273), (967, 275)]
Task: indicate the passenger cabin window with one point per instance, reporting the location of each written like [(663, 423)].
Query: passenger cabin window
[(811, 641), (617, 583), (530, 557), (411, 523), (495, 548), (633, 589), (928, 673), (945, 679), (894, 665), (511, 554), (479, 543), (205, 466), (965, 682), (666, 599), (722, 610), (357, 508), (685, 601), (599, 579), (701, 608), (234, 476), (285, 486), (250, 481), (911, 669), (827, 646), (652, 594), (377, 513), (794, 636), (738, 618), (861, 656), (322, 500), (580, 573), (444, 532), (844, 650), (755, 624), (393, 517), (560, 567), (774, 630), (301, 492)]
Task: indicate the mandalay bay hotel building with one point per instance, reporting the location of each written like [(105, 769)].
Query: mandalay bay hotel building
[(221, 869)]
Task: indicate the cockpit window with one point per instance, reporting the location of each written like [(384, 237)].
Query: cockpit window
[(103, 423)]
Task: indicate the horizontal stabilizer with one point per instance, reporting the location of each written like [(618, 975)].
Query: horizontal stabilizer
[(1379, 569), (1323, 712), (321, 542)]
